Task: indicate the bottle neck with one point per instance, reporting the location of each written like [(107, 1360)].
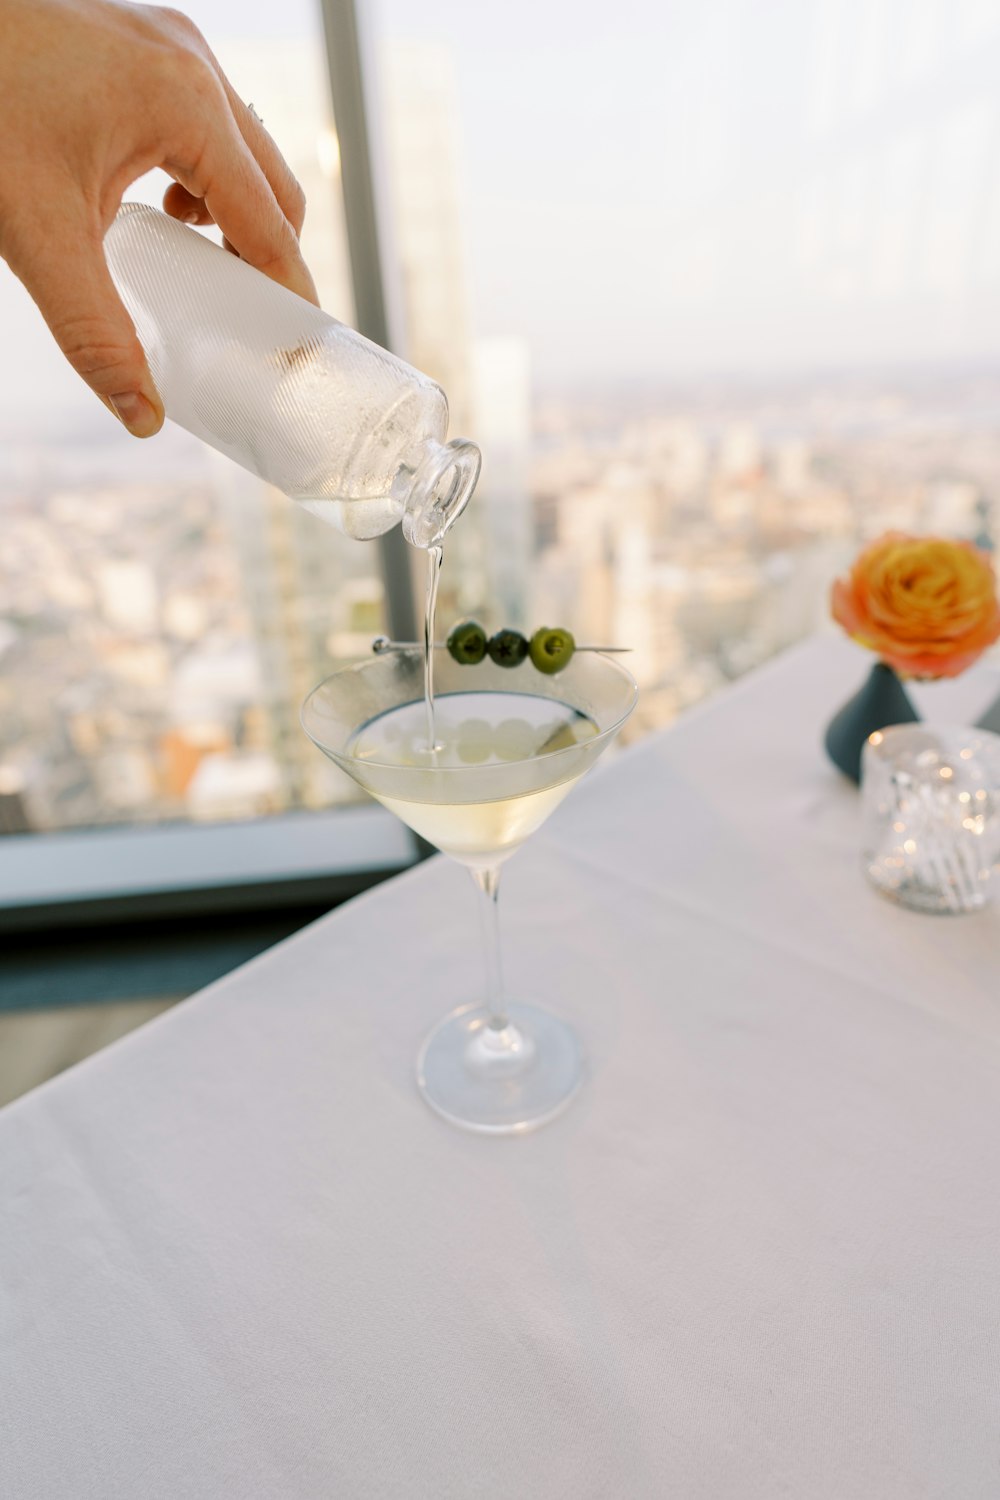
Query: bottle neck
[(436, 483)]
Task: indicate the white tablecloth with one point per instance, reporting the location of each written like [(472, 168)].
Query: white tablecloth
[(758, 1257)]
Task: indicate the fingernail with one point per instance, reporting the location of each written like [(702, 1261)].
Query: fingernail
[(191, 218), (135, 413)]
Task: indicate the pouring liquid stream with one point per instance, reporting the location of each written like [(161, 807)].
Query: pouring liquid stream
[(434, 559)]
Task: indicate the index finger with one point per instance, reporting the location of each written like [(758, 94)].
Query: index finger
[(222, 170), (181, 204), (284, 184)]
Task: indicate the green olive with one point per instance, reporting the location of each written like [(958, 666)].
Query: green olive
[(551, 650), (467, 643), (508, 648)]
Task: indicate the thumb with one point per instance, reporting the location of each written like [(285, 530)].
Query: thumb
[(68, 278)]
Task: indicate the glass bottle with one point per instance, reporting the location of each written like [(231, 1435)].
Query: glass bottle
[(348, 430)]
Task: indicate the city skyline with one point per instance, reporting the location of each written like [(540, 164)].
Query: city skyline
[(704, 535), (163, 612)]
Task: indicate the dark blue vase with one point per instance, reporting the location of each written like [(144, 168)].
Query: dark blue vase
[(879, 702), (991, 718)]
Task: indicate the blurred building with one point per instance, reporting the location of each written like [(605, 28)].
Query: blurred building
[(305, 586), (417, 98), (13, 808), (503, 510), (418, 102)]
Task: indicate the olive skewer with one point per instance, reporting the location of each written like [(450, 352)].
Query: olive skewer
[(550, 649), (382, 643)]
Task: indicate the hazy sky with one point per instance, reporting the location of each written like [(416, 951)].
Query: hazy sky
[(655, 188)]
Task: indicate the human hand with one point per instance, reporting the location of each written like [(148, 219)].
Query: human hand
[(93, 93)]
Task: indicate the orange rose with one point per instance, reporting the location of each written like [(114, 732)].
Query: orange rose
[(928, 606)]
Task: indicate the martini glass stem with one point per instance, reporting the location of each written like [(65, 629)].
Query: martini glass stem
[(487, 883)]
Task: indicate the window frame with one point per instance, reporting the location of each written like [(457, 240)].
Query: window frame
[(80, 877)]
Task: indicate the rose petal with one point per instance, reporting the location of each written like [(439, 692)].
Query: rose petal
[(927, 605)]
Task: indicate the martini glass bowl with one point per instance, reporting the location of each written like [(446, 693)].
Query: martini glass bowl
[(511, 743)]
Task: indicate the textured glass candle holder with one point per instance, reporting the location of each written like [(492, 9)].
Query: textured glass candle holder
[(932, 816)]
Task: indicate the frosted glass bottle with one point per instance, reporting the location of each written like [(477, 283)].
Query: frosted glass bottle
[(340, 425)]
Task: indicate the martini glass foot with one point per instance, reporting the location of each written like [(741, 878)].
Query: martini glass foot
[(501, 1079)]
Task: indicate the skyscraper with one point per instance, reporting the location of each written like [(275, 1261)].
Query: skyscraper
[(421, 142), (502, 400), (305, 584)]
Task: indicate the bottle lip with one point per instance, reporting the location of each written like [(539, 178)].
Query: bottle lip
[(441, 489)]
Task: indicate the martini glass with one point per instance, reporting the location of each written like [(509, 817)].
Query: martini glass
[(511, 743)]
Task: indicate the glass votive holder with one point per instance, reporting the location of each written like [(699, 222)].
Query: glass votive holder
[(932, 816)]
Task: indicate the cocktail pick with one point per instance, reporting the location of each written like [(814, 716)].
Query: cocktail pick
[(551, 649), (382, 643)]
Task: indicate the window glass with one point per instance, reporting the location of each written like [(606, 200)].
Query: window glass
[(716, 287), (162, 613)]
